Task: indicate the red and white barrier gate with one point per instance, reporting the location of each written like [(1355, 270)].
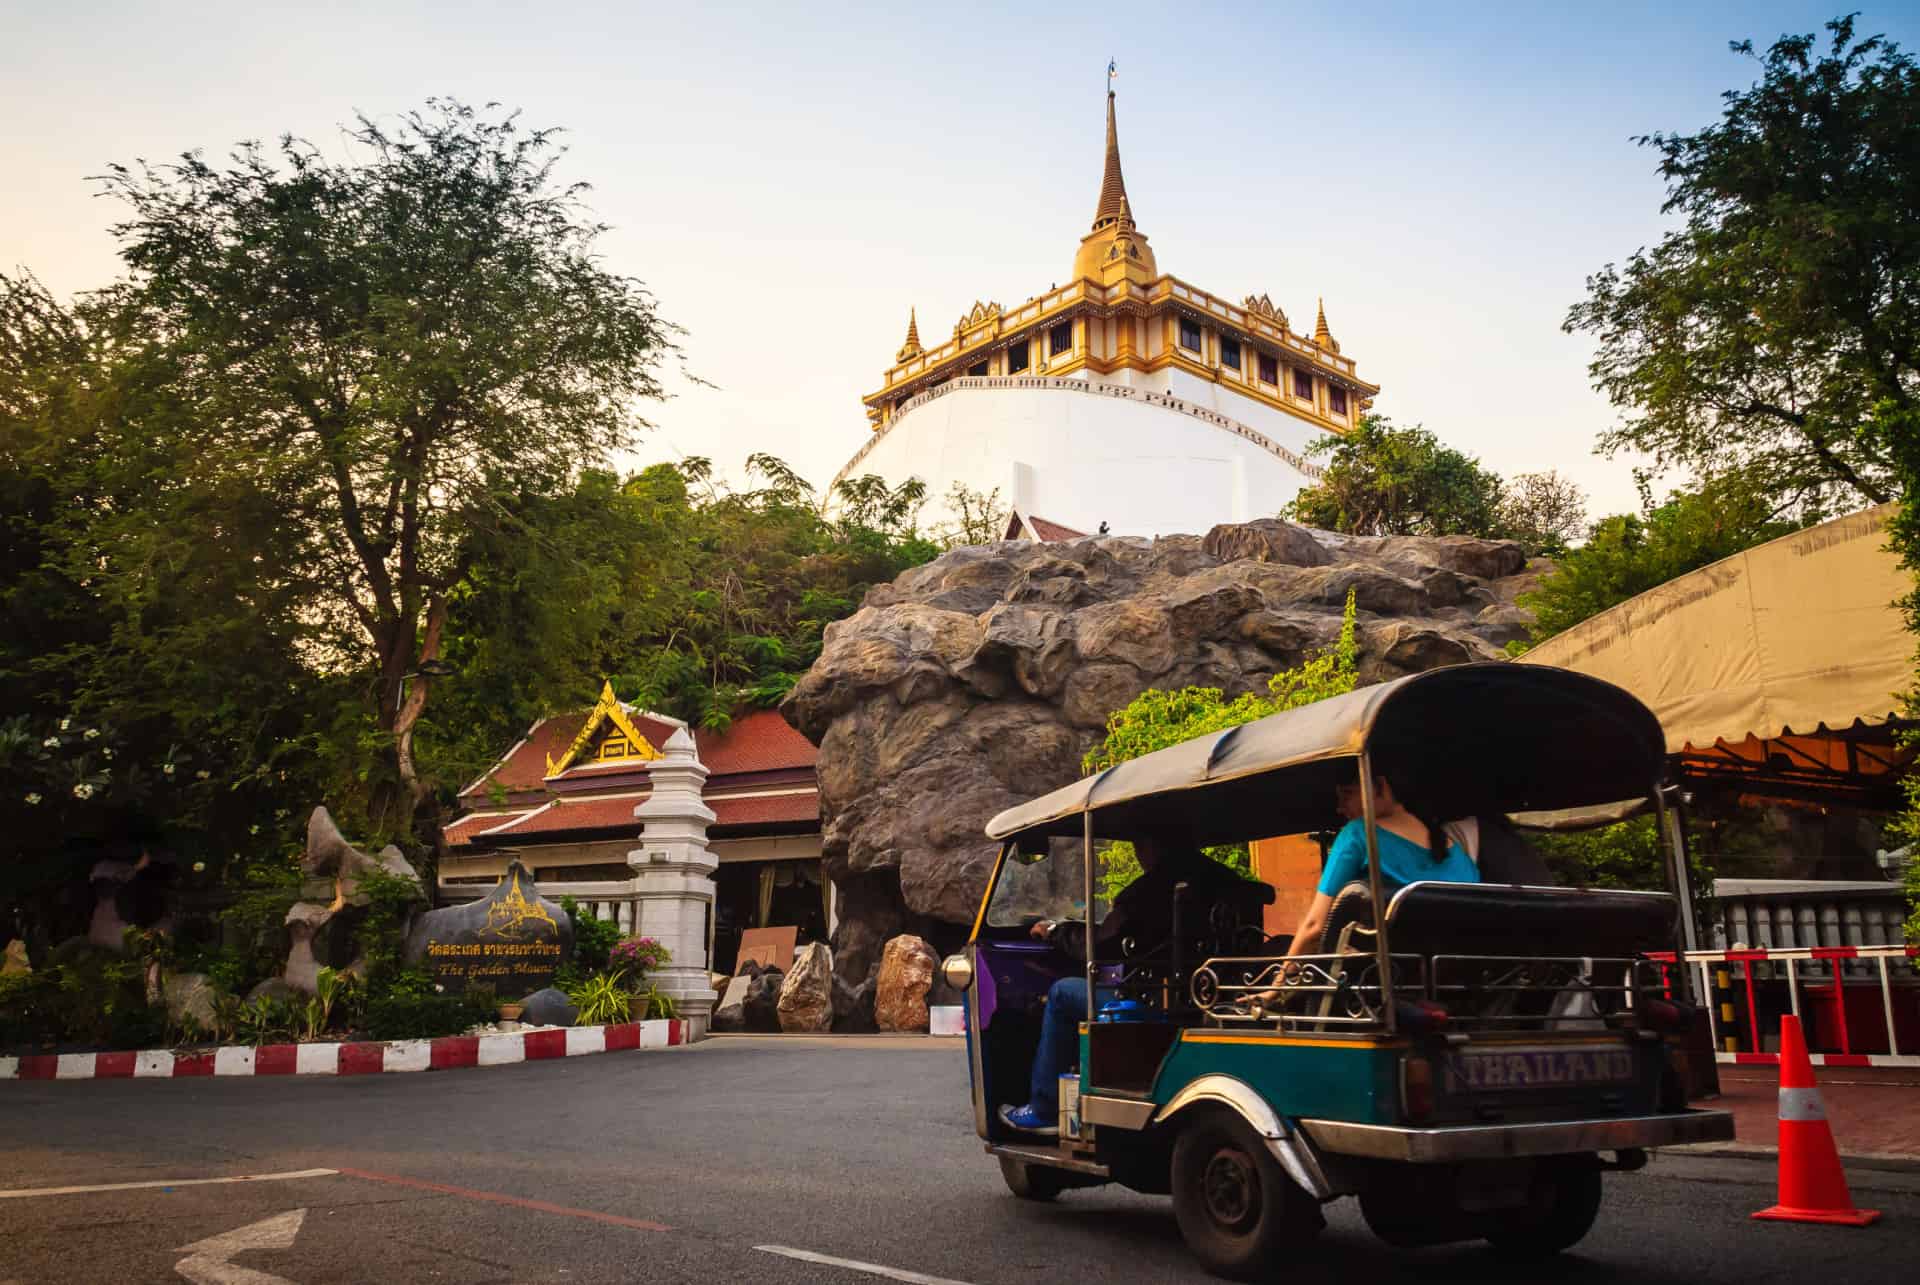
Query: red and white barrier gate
[(1731, 1029)]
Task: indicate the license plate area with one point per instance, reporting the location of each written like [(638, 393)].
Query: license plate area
[(1519, 1070)]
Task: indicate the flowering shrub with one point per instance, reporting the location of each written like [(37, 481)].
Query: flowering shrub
[(638, 955)]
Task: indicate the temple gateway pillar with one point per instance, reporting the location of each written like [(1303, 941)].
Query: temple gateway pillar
[(673, 877)]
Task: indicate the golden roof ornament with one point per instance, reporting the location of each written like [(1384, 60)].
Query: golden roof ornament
[(1115, 248), (912, 347), (1321, 335), (1261, 306)]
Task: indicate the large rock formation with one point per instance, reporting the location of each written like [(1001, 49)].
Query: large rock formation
[(980, 679)]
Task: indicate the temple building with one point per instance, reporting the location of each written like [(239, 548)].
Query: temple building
[(566, 802), (1125, 400)]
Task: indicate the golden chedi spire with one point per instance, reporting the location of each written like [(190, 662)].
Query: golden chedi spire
[(1115, 249), (1321, 335), (912, 347)]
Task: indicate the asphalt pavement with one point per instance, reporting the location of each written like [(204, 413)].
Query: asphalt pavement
[(741, 1160)]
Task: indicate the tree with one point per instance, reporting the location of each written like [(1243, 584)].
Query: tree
[(1628, 554), (1385, 480), (399, 356), (1763, 333), (1156, 719), (1544, 511), (979, 517)]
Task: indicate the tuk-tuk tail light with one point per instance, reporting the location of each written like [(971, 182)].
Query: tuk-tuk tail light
[(1416, 1088), (1421, 1016)]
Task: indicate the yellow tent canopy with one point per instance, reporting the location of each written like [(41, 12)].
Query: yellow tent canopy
[(1788, 658)]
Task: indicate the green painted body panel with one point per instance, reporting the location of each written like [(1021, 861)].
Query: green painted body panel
[(1327, 1082)]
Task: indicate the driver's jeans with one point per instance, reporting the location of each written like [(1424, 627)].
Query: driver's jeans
[(1059, 1040)]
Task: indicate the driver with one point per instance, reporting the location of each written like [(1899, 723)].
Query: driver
[(1142, 911)]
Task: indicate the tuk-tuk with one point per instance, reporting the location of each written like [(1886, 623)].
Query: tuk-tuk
[(1468, 1062)]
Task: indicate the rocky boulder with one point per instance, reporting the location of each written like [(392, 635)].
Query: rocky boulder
[(761, 1008), (853, 1007), (806, 995), (900, 990), (549, 1006), (980, 679)]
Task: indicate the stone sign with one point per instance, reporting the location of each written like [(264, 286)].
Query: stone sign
[(510, 943)]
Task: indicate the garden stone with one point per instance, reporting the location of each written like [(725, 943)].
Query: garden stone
[(806, 996), (762, 1006), (274, 988), (329, 854), (510, 942), (16, 962), (304, 919), (548, 1006), (731, 1013), (189, 997), (900, 991)]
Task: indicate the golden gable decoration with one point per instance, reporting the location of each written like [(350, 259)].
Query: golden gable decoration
[(623, 742), (983, 313), (1261, 306)]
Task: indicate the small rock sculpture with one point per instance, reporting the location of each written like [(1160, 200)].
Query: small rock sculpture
[(900, 992)]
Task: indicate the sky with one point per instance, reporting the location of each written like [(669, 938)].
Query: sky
[(789, 180)]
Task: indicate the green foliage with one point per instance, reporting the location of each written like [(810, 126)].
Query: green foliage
[(390, 898), (1384, 480), (258, 918), (593, 937), (1629, 554), (1763, 331), (1546, 512), (407, 1016), (1157, 719), (655, 1005), (603, 998), (1625, 855)]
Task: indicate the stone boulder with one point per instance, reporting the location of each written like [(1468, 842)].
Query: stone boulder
[(853, 1007), (979, 680), (549, 1006), (900, 990), (189, 997), (512, 941), (730, 1014), (16, 964), (806, 994), (761, 1008)]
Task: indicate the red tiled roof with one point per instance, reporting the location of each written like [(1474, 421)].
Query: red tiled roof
[(757, 741), (616, 813), (1053, 530), (461, 833)]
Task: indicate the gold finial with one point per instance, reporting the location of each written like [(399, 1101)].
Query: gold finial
[(912, 347), (1113, 186), (1321, 335)]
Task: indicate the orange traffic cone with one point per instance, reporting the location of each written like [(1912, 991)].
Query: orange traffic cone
[(1813, 1189)]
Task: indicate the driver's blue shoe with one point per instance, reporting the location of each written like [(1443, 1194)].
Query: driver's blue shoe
[(1027, 1120)]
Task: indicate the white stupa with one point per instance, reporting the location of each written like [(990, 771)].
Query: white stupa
[(1125, 400)]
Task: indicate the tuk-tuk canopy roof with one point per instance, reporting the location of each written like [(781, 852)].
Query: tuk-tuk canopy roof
[(1469, 740)]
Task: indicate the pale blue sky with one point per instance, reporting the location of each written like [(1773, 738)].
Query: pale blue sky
[(789, 181)]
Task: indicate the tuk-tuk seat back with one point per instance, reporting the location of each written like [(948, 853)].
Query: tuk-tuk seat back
[(1514, 920)]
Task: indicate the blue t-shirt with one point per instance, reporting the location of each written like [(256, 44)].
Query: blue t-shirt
[(1401, 862)]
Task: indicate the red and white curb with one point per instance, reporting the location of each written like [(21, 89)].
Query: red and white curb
[(371, 1058), (1821, 1059)]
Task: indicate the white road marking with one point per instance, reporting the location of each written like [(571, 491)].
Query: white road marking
[(20, 1193), (855, 1265), (206, 1260)]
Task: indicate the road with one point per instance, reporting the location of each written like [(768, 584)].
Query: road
[(686, 1164)]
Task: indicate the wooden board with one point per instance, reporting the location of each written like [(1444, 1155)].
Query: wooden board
[(1292, 865), (768, 946)]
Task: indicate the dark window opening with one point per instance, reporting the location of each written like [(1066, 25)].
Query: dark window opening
[(1018, 355), (1230, 353), (978, 371), (1337, 400), (1302, 384), (1269, 369), (1189, 335), (1060, 340)]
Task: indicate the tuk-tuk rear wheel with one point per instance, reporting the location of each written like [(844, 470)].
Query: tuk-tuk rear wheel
[(1031, 1182), (1237, 1209), (1561, 1210)]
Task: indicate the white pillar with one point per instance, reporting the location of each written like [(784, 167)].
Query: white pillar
[(673, 877)]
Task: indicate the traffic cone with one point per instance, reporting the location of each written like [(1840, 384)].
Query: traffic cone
[(1813, 1189)]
